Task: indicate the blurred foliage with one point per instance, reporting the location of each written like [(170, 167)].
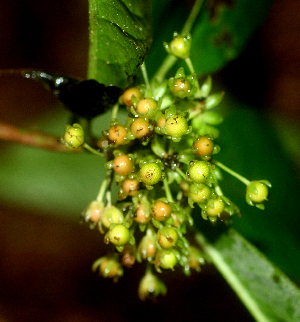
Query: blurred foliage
[(220, 33)]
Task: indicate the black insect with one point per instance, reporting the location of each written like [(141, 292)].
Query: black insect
[(87, 98)]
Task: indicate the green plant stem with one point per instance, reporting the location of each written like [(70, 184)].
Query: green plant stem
[(233, 173), (89, 148), (181, 173), (145, 75), (192, 17), (170, 60), (168, 191), (192, 70), (166, 65), (105, 183)]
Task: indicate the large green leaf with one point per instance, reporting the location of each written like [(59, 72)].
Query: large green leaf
[(266, 292), (120, 38)]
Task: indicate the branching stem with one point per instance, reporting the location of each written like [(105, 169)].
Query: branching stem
[(170, 60), (233, 173)]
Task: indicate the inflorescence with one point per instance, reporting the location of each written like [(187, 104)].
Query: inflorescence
[(163, 162)]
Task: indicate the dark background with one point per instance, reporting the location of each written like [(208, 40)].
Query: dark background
[(45, 262)]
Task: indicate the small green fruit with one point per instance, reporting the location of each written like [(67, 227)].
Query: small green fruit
[(150, 173), (198, 171), (166, 258), (256, 192), (118, 235)]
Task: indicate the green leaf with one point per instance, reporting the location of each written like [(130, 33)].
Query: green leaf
[(120, 38), (222, 31), (265, 290)]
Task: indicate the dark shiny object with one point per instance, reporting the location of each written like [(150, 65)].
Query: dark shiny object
[(86, 98)]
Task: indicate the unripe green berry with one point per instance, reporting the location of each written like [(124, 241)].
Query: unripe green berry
[(118, 235), (122, 165), (199, 192), (111, 215), (150, 173), (161, 210), (176, 126), (180, 47), (167, 237), (257, 192), (215, 207), (166, 258), (74, 136), (198, 171)]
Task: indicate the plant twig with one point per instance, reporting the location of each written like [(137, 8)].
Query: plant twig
[(36, 139)]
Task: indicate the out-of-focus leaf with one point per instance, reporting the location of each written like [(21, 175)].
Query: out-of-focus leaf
[(120, 38), (223, 30), (220, 32), (264, 289)]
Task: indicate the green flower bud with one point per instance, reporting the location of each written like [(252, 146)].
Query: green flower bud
[(212, 118), (151, 286), (214, 100), (74, 136), (206, 87)]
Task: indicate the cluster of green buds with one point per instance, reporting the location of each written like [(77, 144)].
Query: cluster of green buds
[(162, 161)]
